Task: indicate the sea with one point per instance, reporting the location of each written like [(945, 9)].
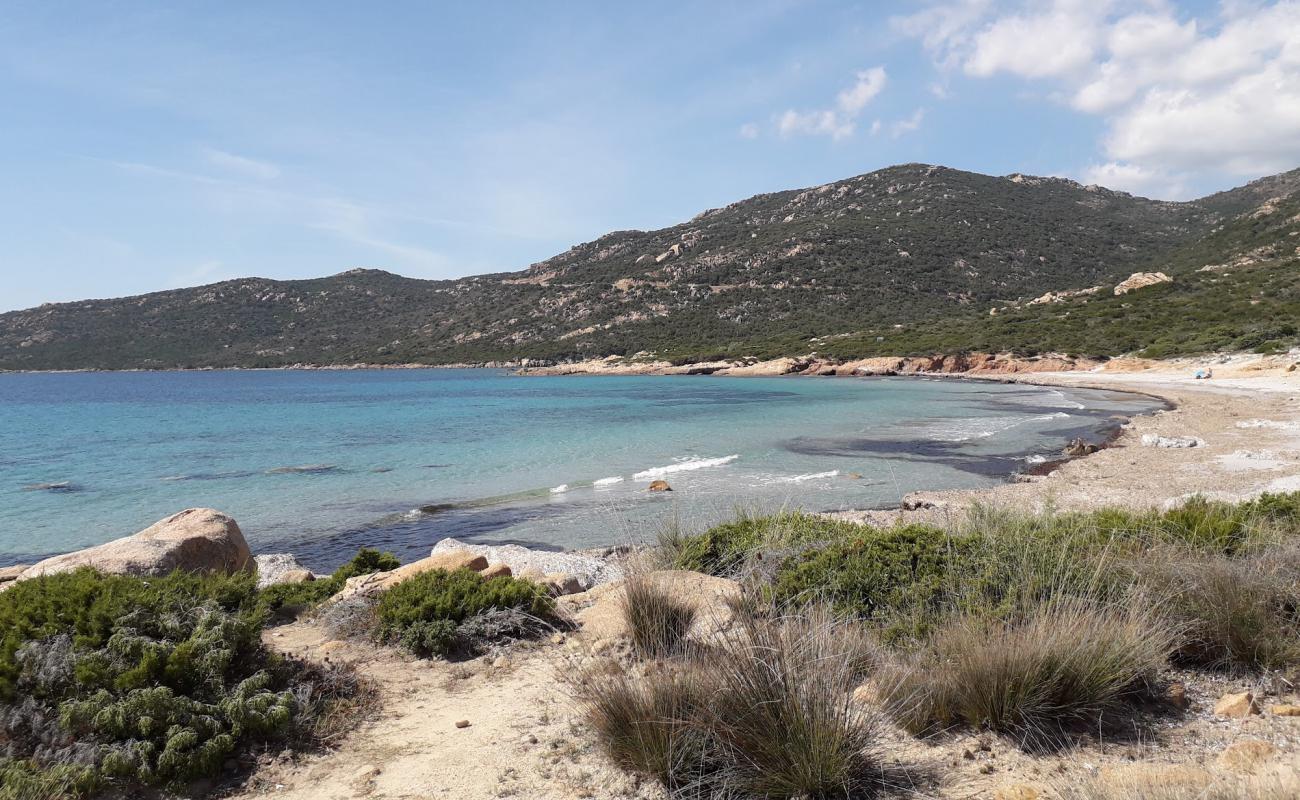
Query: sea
[(320, 463)]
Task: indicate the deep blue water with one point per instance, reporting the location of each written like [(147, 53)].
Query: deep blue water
[(320, 462)]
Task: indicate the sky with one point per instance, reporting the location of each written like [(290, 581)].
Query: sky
[(147, 146)]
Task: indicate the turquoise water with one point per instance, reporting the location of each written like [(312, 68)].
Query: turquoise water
[(319, 463)]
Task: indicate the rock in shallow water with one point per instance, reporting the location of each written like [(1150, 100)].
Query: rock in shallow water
[(194, 540)]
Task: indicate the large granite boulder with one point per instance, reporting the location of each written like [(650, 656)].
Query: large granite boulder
[(275, 568), (194, 540)]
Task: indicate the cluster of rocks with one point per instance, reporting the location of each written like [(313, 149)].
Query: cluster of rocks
[(208, 541)]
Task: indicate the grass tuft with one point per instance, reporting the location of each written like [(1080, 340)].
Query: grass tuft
[(656, 618), (1065, 662)]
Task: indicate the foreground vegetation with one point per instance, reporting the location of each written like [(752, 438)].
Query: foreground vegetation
[(1044, 628), (110, 682)]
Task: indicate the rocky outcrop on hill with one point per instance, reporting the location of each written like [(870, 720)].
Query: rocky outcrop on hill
[(194, 540), (1141, 280), (588, 570)]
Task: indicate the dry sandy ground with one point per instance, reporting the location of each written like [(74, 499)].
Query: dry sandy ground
[(524, 738)]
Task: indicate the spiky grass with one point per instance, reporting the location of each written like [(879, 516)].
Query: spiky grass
[(1066, 662), (657, 618)]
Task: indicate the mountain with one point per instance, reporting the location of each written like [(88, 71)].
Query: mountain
[(893, 258)]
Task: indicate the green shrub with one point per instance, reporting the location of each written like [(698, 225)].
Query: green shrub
[(725, 549), (152, 681), (880, 575), (426, 613), (25, 780)]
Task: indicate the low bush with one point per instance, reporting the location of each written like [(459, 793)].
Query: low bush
[(890, 576), (766, 712), (1066, 662), (116, 680), (656, 618), (1236, 611), (725, 549), (437, 612), (291, 599)]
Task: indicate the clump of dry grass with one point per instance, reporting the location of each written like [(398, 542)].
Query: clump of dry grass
[(657, 618), (1237, 611), (647, 719), (764, 711), (1064, 662)]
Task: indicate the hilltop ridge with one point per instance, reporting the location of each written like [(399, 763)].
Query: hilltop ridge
[(915, 248)]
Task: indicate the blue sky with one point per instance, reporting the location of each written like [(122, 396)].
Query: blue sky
[(146, 146)]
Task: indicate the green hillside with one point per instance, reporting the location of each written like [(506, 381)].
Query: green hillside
[(837, 268)]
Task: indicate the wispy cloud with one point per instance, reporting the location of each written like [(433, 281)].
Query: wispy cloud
[(242, 165), (840, 121), (902, 127)]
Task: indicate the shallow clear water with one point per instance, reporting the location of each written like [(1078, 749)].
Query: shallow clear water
[(320, 463)]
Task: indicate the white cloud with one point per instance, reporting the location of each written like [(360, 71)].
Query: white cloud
[(841, 121), (1135, 180), (876, 125), (903, 127), (1180, 94), (1059, 40), (749, 131), (242, 165)]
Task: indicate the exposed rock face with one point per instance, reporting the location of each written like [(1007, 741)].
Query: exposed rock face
[(1141, 280), (1079, 447), (537, 564), (195, 540), (273, 568)]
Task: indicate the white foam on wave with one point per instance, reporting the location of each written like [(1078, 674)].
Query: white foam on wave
[(561, 489), (963, 430), (685, 465), (1065, 401), (812, 476), (1036, 459), (608, 481)]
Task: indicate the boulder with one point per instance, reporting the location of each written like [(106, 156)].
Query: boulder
[(194, 540), (497, 571), (1079, 447), (1141, 280), (11, 573), (1246, 756), (660, 486), (560, 583), (273, 568), (1285, 711), (1236, 705), (535, 565), (373, 584), (604, 618)]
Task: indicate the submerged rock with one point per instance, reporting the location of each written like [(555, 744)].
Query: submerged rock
[(194, 540)]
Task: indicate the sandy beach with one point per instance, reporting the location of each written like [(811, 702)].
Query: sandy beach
[(1245, 422)]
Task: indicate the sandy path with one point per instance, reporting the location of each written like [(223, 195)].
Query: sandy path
[(522, 740)]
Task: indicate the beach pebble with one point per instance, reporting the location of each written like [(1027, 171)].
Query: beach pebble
[(462, 723)]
